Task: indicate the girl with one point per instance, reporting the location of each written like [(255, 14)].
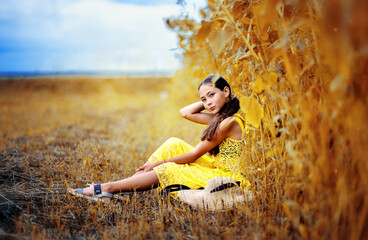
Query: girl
[(176, 162)]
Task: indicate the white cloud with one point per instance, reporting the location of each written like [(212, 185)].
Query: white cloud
[(121, 36), (90, 34)]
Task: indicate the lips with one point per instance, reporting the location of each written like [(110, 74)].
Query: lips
[(212, 108)]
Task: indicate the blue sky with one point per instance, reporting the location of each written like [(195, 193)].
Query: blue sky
[(85, 35)]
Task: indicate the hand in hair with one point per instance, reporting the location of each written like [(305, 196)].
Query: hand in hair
[(193, 112)]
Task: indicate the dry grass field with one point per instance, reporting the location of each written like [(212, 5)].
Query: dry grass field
[(66, 132), (59, 133)]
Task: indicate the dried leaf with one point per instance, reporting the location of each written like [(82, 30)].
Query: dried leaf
[(252, 109), (271, 78), (264, 81), (239, 9), (203, 14), (213, 5), (204, 31), (259, 85), (267, 13), (218, 39)]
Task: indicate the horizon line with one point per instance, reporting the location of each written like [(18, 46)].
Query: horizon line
[(90, 73)]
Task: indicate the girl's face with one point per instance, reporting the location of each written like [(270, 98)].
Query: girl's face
[(213, 98)]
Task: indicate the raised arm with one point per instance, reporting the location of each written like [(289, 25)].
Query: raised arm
[(193, 112)]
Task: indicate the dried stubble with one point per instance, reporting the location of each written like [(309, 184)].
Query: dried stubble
[(67, 135)]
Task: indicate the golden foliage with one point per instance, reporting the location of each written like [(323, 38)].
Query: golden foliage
[(252, 109), (300, 70), (264, 81)]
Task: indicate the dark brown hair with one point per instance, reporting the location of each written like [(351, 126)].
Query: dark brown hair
[(230, 108)]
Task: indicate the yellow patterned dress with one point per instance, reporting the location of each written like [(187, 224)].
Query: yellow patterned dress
[(196, 174)]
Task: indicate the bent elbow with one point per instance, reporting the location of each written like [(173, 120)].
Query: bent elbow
[(182, 113)]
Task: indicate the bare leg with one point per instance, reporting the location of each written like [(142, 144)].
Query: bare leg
[(140, 181), (137, 173)]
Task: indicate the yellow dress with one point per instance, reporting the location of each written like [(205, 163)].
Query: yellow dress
[(196, 174)]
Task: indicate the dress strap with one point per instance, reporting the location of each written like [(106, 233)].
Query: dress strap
[(240, 120)]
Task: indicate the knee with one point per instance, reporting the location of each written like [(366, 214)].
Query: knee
[(173, 141)]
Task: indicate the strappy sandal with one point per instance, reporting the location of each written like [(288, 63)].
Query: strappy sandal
[(98, 194)]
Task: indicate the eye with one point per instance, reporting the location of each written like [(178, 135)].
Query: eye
[(211, 94), (203, 100)]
